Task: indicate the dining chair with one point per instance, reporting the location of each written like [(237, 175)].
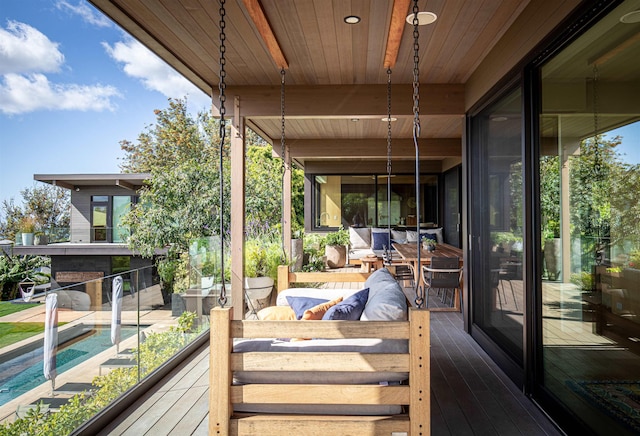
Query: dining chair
[(444, 273)]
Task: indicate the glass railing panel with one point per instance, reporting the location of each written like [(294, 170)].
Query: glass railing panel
[(109, 334)]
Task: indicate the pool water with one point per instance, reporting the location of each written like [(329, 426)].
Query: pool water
[(25, 372)]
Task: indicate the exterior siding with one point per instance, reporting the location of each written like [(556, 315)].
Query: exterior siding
[(81, 209)]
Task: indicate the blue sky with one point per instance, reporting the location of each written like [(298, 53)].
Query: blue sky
[(72, 85)]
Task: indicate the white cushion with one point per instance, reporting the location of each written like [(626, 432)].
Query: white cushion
[(327, 294), (359, 237), (412, 236), (399, 235)]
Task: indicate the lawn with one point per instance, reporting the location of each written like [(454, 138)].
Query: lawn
[(7, 308), (11, 332)]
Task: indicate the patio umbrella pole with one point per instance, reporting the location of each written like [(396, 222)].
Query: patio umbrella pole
[(116, 312)]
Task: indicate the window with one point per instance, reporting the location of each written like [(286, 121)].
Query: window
[(361, 201), (106, 217)]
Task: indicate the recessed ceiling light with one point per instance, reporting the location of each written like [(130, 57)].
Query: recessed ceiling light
[(631, 17), (352, 19), (424, 18), (386, 120)]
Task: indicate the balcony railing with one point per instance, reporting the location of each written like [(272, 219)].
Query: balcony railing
[(113, 334)]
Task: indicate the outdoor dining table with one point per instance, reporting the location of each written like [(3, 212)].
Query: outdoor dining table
[(409, 254)]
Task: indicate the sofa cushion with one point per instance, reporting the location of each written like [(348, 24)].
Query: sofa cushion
[(326, 294), (349, 309), (386, 300), (300, 304), (399, 236), (317, 312), (359, 237), (277, 313), (428, 236), (380, 241), (437, 232)]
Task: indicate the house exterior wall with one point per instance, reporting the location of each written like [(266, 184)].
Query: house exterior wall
[(81, 209)]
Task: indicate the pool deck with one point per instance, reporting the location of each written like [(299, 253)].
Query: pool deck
[(157, 320)]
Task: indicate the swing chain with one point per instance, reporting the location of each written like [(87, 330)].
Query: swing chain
[(388, 248), (416, 72), (222, 299), (389, 122), (597, 164), (283, 155), (419, 299)]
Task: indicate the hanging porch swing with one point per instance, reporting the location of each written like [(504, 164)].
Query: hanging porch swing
[(276, 393)]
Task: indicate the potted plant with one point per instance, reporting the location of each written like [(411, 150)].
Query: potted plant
[(552, 249), (297, 249), (335, 248), (429, 244), (27, 227), (262, 257)]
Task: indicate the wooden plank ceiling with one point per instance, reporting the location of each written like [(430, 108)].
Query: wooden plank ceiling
[(335, 72)]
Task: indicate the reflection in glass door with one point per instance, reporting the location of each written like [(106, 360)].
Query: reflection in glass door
[(496, 215), (452, 218), (590, 225)]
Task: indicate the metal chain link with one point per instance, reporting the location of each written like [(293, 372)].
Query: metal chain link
[(388, 248), (597, 163), (222, 299), (283, 151), (419, 298), (416, 71)]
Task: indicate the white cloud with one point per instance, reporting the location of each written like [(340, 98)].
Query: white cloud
[(21, 94), (87, 13), (24, 49), (140, 63), (25, 54)]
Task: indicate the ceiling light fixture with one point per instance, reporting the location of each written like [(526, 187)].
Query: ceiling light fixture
[(386, 120), (630, 18), (424, 18), (352, 19)]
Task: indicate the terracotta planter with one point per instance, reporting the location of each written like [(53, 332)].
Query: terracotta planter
[(336, 255)]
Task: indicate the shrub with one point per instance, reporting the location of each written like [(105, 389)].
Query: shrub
[(155, 350)]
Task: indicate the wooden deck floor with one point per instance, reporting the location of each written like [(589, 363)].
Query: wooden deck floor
[(470, 394)]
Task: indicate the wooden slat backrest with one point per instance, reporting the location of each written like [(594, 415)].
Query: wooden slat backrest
[(223, 363), (286, 277)]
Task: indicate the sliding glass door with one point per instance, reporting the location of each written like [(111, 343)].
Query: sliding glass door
[(496, 215)]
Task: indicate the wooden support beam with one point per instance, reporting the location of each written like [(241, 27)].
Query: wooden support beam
[(237, 210), (286, 203), (349, 101), (403, 148), (256, 12), (396, 29)]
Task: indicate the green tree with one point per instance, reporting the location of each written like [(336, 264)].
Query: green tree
[(49, 205), (263, 184), (14, 269), (175, 137), (550, 196)]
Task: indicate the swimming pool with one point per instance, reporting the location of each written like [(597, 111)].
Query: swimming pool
[(23, 372)]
